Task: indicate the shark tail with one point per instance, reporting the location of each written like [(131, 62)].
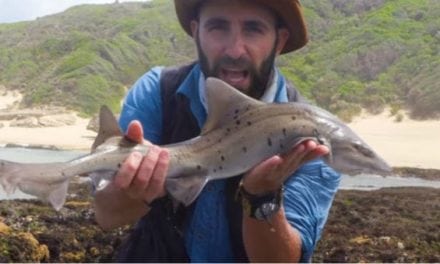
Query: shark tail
[(7, 173), (23, 176)]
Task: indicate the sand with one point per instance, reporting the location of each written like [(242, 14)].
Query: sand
[(408, 143), (74, 137)]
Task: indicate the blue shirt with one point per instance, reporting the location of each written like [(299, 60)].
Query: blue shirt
[(308, 193)]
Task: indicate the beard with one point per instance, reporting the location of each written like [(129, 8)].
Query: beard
[(259, 77)]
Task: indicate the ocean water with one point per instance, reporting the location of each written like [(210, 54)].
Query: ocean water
[(359, 182)]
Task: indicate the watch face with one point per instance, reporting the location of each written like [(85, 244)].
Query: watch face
[(266, 210)]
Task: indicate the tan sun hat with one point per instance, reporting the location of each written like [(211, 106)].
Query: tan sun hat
[(289, 11)]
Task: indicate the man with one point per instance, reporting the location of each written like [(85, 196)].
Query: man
[(237, 41)]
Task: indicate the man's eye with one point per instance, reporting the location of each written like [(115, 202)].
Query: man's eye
[(217, 27), (254, 29)]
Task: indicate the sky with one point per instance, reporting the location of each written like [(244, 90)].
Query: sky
[(23, 10)]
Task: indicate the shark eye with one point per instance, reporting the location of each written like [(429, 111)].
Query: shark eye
[(362, 149)]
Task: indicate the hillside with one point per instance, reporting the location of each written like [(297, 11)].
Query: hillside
[(367, 53)]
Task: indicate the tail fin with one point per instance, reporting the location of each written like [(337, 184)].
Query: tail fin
[(7, 179), (40, 180)]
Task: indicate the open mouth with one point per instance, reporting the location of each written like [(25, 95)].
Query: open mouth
[(235, 77)]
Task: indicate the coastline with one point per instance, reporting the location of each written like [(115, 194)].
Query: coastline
[(68, 137), (408, 143)]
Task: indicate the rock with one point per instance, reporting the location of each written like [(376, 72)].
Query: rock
[(361, 240), (94, 124), (4, 229), (25, 122), (78, 256), (400, 245), (385, 239), (40, 252), (22, 247), (57, 120)]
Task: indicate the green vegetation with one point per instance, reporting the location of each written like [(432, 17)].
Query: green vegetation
[(362, 54)]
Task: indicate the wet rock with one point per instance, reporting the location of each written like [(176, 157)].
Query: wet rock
[(22, 247), (4, 229)]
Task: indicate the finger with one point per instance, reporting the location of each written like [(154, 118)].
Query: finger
[(145, 171), (156, 186), (319, 151), (295, 156), (135, 131), (126, 173), (260, 179)]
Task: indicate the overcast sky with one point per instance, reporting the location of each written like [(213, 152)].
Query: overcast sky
[(20, 10)]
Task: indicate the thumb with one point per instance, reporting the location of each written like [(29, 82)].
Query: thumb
[(264, 168), (135, 131)]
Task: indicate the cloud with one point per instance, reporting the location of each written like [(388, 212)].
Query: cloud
[(20, 10)]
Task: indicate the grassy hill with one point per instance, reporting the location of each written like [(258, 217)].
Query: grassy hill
[(368, 53)]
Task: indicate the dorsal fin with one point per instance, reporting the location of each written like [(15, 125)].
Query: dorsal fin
[(108, 127), (224, 102)]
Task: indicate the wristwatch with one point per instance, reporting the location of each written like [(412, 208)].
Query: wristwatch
[(260, 207)]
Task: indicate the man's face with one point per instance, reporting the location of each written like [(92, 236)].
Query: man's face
[(238, 41)]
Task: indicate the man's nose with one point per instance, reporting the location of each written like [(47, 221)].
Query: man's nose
[(236, 46)]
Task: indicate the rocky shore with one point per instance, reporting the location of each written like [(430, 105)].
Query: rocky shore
[(387, 225)]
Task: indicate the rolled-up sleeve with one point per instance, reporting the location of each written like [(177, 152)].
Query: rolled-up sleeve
[(308, 197)]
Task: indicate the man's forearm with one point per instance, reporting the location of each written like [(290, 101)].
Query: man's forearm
[(273, 241)]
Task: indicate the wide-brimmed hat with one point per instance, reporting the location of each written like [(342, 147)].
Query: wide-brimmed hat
[(289, 11)]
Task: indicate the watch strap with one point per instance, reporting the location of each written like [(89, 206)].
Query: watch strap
[(260, 207)]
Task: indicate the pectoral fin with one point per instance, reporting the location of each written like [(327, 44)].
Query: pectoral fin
[(185, 189), (57, 197)]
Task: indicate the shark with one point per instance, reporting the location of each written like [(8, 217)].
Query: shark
[(239, 133)]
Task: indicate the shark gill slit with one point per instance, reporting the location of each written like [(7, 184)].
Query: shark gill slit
[(269, 141)]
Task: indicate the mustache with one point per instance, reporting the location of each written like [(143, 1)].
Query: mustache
[(227, 61)]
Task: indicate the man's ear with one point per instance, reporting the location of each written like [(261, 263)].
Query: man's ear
[(194, 28), (283, 36)]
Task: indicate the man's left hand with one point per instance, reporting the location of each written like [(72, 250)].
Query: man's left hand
[(269, 175)]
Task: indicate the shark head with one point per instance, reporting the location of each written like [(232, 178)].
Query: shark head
[(349, 153)]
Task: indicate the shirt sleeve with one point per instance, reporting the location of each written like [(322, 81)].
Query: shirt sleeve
[(308, 197), (143, 103)]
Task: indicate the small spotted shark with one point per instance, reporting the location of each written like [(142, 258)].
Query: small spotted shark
[(239, 133)]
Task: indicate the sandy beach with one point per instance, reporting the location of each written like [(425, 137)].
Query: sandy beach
[(74, 137), (69, 137), (408, 143)]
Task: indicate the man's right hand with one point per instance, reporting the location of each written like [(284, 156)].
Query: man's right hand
[(143, 177), (139, 181)]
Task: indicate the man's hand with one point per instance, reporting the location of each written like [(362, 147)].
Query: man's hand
[(143, 177), (270, 174)]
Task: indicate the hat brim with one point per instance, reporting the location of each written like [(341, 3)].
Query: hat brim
[(290, 12)]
